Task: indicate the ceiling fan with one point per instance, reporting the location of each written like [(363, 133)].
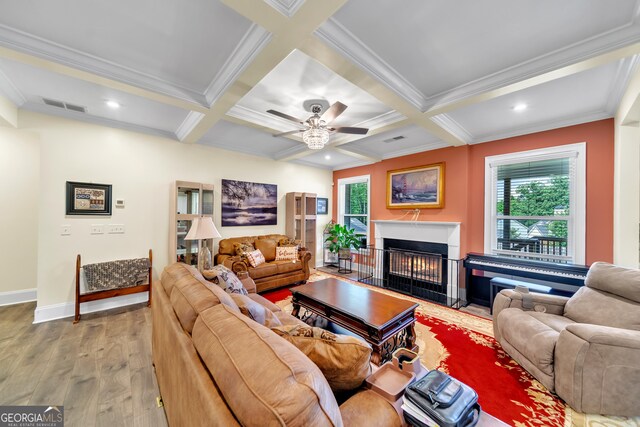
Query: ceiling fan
[(316, 128)]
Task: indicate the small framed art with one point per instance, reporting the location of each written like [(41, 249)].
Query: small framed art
[(85, 198), (322, 206)]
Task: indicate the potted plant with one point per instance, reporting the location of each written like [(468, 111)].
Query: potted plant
[(341, 239)]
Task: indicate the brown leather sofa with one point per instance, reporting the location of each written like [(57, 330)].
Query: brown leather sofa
[(585, 348), (217, 367), (272, 274)]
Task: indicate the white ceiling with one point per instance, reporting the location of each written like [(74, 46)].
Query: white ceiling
[(435, 72)]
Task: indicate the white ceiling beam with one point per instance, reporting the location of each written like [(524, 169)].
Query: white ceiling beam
[(351, 72), (354, 154), (525, 83), (45, 64), (287, 34)]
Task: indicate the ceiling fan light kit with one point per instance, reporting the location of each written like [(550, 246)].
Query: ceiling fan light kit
[(316, 138), (316, 134)]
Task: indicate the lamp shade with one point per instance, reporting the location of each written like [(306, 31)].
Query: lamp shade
[(202, 228)]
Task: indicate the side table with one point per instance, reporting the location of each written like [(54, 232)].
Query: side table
[(344, 265)]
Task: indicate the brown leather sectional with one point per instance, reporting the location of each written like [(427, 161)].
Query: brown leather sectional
[(217, 367), (272, 274)]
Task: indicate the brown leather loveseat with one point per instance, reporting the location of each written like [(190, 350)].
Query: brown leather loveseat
[(272, 274), (217, 367)]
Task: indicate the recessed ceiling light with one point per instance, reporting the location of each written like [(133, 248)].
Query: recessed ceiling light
[(113, 104), (519, 107), (327, 157)]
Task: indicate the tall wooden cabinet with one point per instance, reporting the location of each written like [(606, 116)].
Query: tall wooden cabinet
[(301, 220), (190, 200)]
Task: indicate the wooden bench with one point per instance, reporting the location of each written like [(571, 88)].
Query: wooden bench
[(113, 292)]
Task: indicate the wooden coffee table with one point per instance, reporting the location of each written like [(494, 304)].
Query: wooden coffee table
[(385, 322)]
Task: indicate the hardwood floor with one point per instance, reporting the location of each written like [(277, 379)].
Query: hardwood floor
[(99, 369)]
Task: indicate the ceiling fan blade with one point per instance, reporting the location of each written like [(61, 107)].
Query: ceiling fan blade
[(289, 133), (285, 116), (348, 129), (334, 111)]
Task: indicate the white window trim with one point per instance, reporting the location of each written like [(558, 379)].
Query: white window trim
[(342, 182), (577, 195)]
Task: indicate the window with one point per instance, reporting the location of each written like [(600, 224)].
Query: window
[(353, 204), (535, 204)]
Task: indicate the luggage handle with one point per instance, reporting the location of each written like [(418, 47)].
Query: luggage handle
[(474, 415)]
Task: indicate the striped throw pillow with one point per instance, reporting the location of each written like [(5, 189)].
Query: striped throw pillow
[(255, 258)]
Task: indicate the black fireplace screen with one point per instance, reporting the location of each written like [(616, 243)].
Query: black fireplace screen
[(430, 276)]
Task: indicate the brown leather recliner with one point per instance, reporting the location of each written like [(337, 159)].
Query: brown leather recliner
[(585, 348)]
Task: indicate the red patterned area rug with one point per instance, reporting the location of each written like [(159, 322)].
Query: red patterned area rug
[(462, 345)]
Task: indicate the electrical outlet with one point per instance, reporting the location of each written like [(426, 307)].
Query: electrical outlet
[(97, 229), (116, 229), (65, 230)]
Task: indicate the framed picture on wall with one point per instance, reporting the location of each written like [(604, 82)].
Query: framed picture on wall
[(85, 198), (416, 188), (249, 203), (322, 206)]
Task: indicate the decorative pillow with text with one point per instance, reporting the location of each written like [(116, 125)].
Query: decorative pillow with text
[(285, 253)]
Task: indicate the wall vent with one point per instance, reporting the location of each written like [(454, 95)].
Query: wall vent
[(395, 138), (64, 105)]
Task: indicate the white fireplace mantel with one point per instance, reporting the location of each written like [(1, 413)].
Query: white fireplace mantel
[(420, 231)]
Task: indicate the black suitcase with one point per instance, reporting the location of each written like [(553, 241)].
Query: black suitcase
[(445, 400)]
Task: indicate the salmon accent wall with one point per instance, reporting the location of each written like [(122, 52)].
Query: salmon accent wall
[(464, 183)]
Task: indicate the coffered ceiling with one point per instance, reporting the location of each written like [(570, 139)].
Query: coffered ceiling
[(419, 74)]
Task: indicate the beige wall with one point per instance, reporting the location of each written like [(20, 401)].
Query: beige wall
[(626, 245), (142, 170), (19, 188)]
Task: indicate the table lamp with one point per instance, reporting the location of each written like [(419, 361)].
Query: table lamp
[(203, 228)]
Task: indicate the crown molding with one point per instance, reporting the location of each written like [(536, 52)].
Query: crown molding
[(188, 124), (39, 47), (626, 69), (544, 126), (84, 117), (260, 118), (381, 120), (456, 129), (286, 7), (414, 150), (592, 47), (249, 46), (11, 91), (350, 165), (342, 40), (295, 150)]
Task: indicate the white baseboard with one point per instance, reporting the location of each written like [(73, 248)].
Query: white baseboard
[(67, 309), (17, 297)]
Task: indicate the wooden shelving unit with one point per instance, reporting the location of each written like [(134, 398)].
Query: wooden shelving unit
[(190, 200), (301, 220)]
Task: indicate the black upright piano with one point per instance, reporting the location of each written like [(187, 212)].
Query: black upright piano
[(564, 279)]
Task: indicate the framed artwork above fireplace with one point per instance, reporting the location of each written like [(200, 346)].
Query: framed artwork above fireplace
[(416, 188)]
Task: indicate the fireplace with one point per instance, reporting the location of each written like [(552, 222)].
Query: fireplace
[(418, 258), (417, 268)]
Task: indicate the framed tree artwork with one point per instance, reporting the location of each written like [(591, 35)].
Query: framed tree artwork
[(249, 203)]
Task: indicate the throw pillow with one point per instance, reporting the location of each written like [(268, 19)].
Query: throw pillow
[(226, 279), (255, 311), (344, 360), (284, 253), (267, 247), (255, 258), (241, 249)]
